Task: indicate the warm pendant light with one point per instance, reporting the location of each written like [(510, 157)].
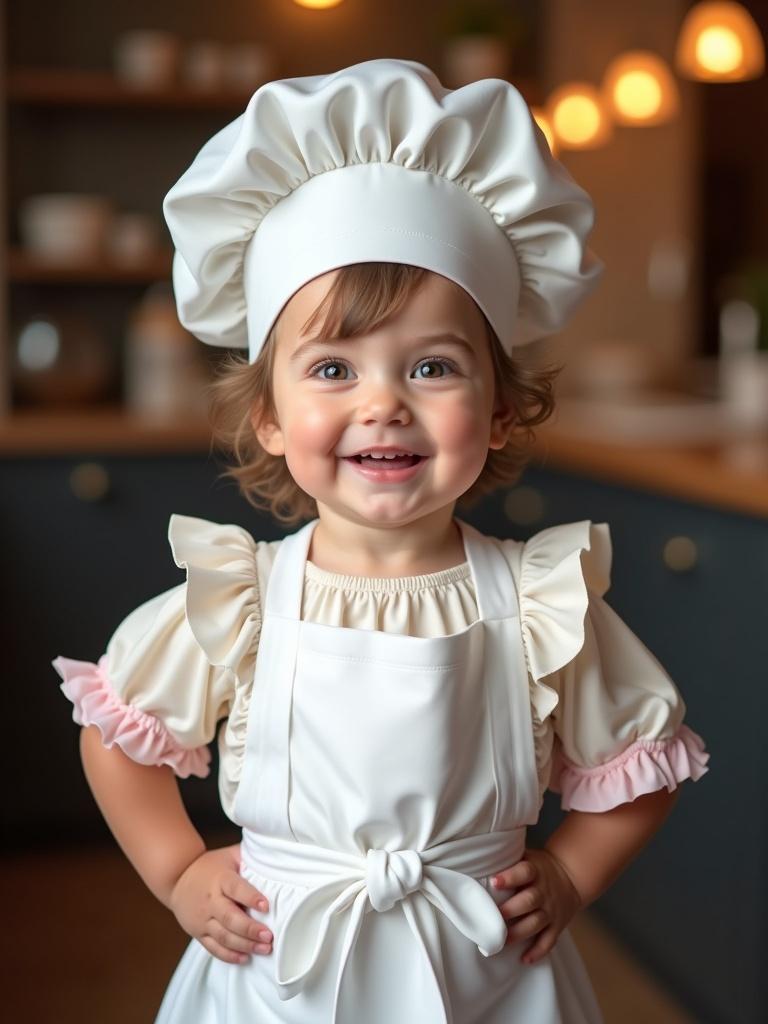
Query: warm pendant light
[(578, 116), (720, 42), (545, 124), (639, 89), (318, 5)]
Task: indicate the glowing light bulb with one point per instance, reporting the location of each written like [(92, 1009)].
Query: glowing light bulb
[(719, 49), (577, 119), (638, 94), (720, 42), (577, 115), (318, 5), (639, 89)]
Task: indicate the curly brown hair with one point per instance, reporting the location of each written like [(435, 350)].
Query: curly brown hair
[(361, 297)]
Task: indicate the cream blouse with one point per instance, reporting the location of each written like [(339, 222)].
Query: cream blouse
[(607, 719)]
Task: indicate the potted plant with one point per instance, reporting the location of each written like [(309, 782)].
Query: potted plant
[(479, 39)]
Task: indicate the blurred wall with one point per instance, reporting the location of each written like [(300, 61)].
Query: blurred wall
[(645, 181)]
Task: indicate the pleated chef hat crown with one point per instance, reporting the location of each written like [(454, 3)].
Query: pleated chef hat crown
[(378, 162)]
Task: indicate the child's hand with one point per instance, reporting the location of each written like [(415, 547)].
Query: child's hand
[(545, 901), (208, 901)]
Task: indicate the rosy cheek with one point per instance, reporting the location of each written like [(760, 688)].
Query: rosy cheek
[(312, 427), (465, 426)]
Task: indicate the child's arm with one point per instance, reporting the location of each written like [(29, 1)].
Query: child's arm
[(595, 848), (144, 810), (579, 861)]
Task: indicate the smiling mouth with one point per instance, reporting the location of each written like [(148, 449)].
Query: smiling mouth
[(386, 462)]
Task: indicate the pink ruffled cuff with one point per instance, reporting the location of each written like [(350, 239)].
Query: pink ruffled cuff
[(143, 737), (644, 767)]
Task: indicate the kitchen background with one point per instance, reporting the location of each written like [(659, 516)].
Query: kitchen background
[(662, 430)]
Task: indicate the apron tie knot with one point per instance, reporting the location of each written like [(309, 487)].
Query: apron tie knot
[(391, 876)]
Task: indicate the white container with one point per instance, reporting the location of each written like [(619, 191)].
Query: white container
[(165, 374), (59, 225), (203, 64), (744, 387), (133, 238), (147, 58), (248, 65)]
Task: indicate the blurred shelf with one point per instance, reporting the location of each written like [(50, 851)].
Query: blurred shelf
[(65, 87), (27, 268), (68, 87), (103, 430)]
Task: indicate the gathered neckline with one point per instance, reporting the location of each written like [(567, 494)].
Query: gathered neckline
[(387, 584)]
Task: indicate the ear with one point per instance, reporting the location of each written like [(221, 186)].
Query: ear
[(268, 433), (502, 423)]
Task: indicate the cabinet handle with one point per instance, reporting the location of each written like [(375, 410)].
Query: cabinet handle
[(524, 505), (680, 554), (89, 481)]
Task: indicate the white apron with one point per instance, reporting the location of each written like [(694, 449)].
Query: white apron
[(386, 779)]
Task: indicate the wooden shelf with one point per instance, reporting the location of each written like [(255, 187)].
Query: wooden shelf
[(27, 268), (65, 87), (102, 430), (68, 87)]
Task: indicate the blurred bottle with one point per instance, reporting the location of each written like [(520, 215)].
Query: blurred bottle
[(743, 363), (165, 372)]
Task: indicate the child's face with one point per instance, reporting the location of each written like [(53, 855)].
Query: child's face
[(399, 386)]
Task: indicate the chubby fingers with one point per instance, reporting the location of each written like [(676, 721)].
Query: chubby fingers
[(231, 932), (236, 931), (236, 888), (541, 945), (519, 874)]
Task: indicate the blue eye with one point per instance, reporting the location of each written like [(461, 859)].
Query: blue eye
[(435, 361)]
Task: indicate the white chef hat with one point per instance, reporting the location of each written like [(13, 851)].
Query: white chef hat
[(378, 162)]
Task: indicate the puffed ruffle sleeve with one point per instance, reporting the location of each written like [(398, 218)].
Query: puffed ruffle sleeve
[(617, 715), (171, 668)]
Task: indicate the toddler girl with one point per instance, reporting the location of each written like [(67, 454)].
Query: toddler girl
[(397, 690)]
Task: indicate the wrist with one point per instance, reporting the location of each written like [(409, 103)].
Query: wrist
[(582, 888), (165, 880)]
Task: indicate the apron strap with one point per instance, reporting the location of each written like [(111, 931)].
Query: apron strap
[(495, 589), (506, 670), (286, 578), (264, 782)]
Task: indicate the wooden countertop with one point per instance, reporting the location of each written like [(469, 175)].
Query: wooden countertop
[(730, 475)]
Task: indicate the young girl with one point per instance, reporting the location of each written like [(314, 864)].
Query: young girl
[(397, 689)]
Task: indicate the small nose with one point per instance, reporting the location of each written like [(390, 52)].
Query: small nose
[(383, 404)]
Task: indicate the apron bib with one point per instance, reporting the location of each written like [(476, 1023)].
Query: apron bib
[(386, 773)]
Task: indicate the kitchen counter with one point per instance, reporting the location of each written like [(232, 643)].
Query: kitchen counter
[(732, 475)]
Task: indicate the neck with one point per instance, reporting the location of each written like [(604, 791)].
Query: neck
[(359, 548)]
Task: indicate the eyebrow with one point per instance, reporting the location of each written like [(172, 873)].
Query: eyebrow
[(444, 338)]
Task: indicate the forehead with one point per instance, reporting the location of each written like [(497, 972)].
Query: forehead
[(439, 301)]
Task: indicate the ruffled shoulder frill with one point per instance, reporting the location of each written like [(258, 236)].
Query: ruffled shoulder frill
[(557, 568), (222, 594), (223, 607)]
